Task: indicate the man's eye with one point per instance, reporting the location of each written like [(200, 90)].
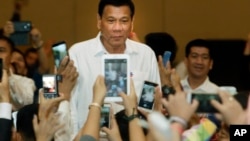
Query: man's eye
[(124, 21), (111, 21)]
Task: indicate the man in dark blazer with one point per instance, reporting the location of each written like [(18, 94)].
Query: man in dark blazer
[(5, 108)]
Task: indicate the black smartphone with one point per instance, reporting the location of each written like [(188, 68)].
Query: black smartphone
[(1, 68), (204, 102), (105, 116), (21, 35), (50, 85), (146, 101), (22, 26), (59, 50)]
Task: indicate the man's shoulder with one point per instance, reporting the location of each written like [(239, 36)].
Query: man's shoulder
[(83, 45), (139, 47)]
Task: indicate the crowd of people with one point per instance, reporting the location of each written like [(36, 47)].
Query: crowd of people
[(25, 115)]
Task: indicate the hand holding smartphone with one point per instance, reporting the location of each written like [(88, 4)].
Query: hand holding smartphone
[(59, 52), (146, 101), (204, 102)]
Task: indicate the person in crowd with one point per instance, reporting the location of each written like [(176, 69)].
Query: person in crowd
[(36, 59), (21, 88), (5, 108), (27, 125), (114, 21), (198, 60), (57, 124), (18, 63)]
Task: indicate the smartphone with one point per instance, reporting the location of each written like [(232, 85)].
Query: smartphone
[(1, 68), (59, 50), (50, 85), (22, 26), (166, 57), (204, 102), (146, 100), (21, 36), (105, 116), (115, 69)]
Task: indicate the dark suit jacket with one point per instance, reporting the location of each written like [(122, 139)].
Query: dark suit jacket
[(5, 129)]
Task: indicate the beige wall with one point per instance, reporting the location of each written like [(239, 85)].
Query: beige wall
[(187, 20), (75, 20)]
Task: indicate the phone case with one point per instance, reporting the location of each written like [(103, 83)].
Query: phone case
[(115, 69)]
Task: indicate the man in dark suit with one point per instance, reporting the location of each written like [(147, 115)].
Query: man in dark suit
[(5, 109)]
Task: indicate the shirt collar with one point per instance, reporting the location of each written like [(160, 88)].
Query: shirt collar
[(130, 47), (202, 87)]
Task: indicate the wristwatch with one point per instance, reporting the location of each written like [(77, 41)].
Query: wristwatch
[(166, 90)]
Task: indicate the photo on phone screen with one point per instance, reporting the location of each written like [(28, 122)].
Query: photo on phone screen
[(50, 88), (166, 57), (204, 102), (147, 95), (105, 117), (116, 76), (59, 51)]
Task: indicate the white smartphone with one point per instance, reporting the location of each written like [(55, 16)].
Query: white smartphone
[(50, 86), (59, 52), (146, 101), (115, 69)]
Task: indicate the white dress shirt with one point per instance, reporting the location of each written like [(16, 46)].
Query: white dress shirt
[(21, 90), (206, 87), (87, 57)]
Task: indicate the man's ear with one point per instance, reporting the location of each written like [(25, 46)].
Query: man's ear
[(185, 61), (211, 64), (132, 24), (98, 21)]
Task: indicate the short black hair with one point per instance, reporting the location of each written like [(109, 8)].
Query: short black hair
[(30, 50), (198, 43), (9, 41), (116, 3), (24, 122)]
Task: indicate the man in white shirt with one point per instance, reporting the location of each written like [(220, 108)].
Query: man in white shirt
[(115, 22), (199, 61)]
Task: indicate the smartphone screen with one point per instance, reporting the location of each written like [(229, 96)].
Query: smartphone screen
[(116, 76), (204, 102), (105, 117), (166, 57), (147, 95), (59, 51), (50, 87)]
